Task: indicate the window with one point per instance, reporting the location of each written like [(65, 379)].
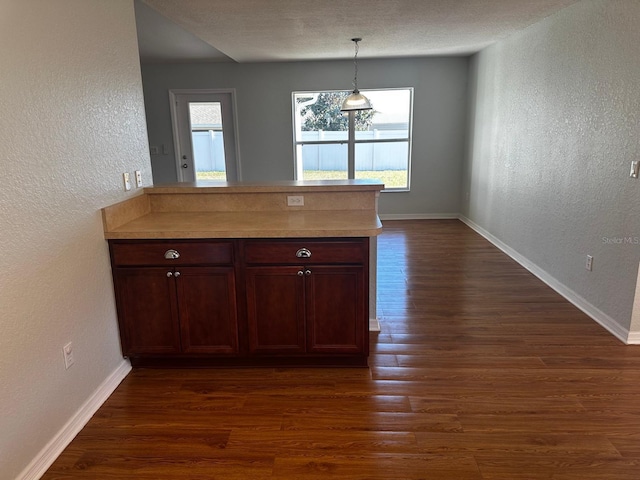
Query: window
[(381, 138)]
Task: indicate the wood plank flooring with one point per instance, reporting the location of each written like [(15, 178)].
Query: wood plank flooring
[(480, 372)]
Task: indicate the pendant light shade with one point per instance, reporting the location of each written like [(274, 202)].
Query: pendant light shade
[(356, 101)]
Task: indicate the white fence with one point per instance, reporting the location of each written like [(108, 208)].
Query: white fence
[(208, 150)]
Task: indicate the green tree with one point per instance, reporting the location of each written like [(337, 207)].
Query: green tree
[(325, 114)]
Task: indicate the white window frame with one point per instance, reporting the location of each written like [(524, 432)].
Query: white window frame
[(351, 140)]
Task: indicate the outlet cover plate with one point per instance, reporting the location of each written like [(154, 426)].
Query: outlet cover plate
[(127, 181), (295, 200)]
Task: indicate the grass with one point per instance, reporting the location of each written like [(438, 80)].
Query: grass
[(211, 176), (390, 178)]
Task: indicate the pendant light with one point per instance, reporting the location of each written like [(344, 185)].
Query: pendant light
[(355, 101)]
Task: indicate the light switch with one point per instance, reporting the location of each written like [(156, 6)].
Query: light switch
[(635, 169)]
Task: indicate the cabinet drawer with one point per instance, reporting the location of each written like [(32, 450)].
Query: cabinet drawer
[(189, 253), (297, 251)]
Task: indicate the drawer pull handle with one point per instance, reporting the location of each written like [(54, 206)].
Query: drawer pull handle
[(177, 274), (303, 253), (169, 274), (171, 254), (307, 272), (300, 273)]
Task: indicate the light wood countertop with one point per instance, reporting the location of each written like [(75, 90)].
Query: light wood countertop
[(247, 210), (285, 186), (250, 225)]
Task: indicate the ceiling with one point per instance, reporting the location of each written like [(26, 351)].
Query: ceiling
[(299, 30)]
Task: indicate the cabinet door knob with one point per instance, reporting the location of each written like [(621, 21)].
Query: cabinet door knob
[(300, 273), (171, 254), (303, 253), (169, 274), (307, 272), (177, 274)]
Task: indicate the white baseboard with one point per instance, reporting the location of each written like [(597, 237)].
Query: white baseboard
[(598, 315), (633, 338), (374, 325), (59, 442), (418, 216)]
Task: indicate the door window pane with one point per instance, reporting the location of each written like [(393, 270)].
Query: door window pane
[(207, 140)]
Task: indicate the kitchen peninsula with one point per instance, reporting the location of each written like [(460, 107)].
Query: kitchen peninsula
[(245, 273)]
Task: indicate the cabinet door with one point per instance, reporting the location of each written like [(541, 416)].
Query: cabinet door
[(275, 310), (337, 312), (147, 311), (207, 309)]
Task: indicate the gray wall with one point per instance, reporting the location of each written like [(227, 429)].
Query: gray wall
[(265, 119), (554, 126)]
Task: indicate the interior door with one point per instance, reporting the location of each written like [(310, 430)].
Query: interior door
[(204, 135)]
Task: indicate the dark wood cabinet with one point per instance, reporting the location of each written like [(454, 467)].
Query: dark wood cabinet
[(147, 313), (243, 302), (172, 301), (307, 296), (207, 310), (321, 310), (275, 310), (336, 314)]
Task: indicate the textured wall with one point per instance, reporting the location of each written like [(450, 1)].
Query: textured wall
[(554, 126), (72, 121), (265, 119)]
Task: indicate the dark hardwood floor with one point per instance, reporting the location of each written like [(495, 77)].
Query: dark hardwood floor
[(480, 372)]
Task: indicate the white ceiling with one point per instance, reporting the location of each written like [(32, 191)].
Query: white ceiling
[(298, 30)]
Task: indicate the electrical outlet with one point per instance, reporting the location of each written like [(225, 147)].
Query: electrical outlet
[(127, 182), (589, 264), (138, 178), (295, 200), (69, 360)]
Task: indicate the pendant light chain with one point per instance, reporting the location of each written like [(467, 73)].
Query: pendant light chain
[(355, 101), (355, 63)]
